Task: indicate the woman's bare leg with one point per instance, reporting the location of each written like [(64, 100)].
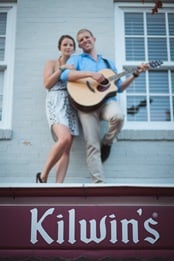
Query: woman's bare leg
[(62, 145), (62, 166)]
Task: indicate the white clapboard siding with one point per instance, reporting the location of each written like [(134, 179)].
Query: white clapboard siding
[(39, 24)]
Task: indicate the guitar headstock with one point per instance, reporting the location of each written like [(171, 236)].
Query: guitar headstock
[(155, 64)]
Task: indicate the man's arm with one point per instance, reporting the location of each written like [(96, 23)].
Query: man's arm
[(75, 75), (130, 79), (126, 83), (73, 61)]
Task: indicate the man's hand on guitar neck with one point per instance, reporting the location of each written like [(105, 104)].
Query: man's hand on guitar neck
[(141, 68)]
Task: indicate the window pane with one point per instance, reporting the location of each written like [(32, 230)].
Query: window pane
[(160, 108), (134, 24), (1, 90), (135, 49), (172, 49), (3, 21), (172, 74), (171, 23), (136, 108), (138, 86), (173, 105), (172, 80), (158, 82), (156, 24), (1, 107), (157, 48), (2, 48)]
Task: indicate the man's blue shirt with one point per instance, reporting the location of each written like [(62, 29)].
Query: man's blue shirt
[(85, 62)]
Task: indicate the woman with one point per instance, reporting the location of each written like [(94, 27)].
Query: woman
[(61, 116)]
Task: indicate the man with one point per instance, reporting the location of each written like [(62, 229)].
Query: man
[(88, 64)]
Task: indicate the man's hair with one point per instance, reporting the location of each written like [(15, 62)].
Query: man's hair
[(84, 30)]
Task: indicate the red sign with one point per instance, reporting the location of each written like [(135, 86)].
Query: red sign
[(87, 227)]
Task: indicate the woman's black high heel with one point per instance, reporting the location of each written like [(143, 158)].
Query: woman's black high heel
[(38, 178)]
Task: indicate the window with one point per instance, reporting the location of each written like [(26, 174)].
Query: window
[(7, 40), (143, 37)]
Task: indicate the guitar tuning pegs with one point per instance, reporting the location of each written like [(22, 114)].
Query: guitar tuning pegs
[(155, 64)]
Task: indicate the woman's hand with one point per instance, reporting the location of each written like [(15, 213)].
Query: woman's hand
[(67, 66)]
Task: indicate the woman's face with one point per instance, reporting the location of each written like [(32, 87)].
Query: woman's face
[(67, 47)]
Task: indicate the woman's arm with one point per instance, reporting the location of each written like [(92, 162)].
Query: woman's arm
[(51, 74)]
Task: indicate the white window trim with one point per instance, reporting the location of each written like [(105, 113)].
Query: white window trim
[(120, 8), (6, 123)]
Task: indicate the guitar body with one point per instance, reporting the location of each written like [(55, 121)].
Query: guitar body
[(87, 95)]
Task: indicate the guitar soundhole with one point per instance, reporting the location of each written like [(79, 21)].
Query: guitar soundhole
[(103, 86)]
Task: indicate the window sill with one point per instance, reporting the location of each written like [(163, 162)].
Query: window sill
[(155, 135), (6, 134)]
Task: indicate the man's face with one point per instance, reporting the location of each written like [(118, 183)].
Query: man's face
[(86, 41)]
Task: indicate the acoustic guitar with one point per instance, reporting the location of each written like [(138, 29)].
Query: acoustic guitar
[(88, 95)]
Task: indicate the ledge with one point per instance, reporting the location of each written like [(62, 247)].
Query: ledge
[(147, 1), (8, 1), (6, 134), (81, 190), (152, 135)]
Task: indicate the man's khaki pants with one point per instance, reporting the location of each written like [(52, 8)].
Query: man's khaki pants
[(110, 112)]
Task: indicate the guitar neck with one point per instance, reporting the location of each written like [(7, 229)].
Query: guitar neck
[(119, 75), (152, 64)]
